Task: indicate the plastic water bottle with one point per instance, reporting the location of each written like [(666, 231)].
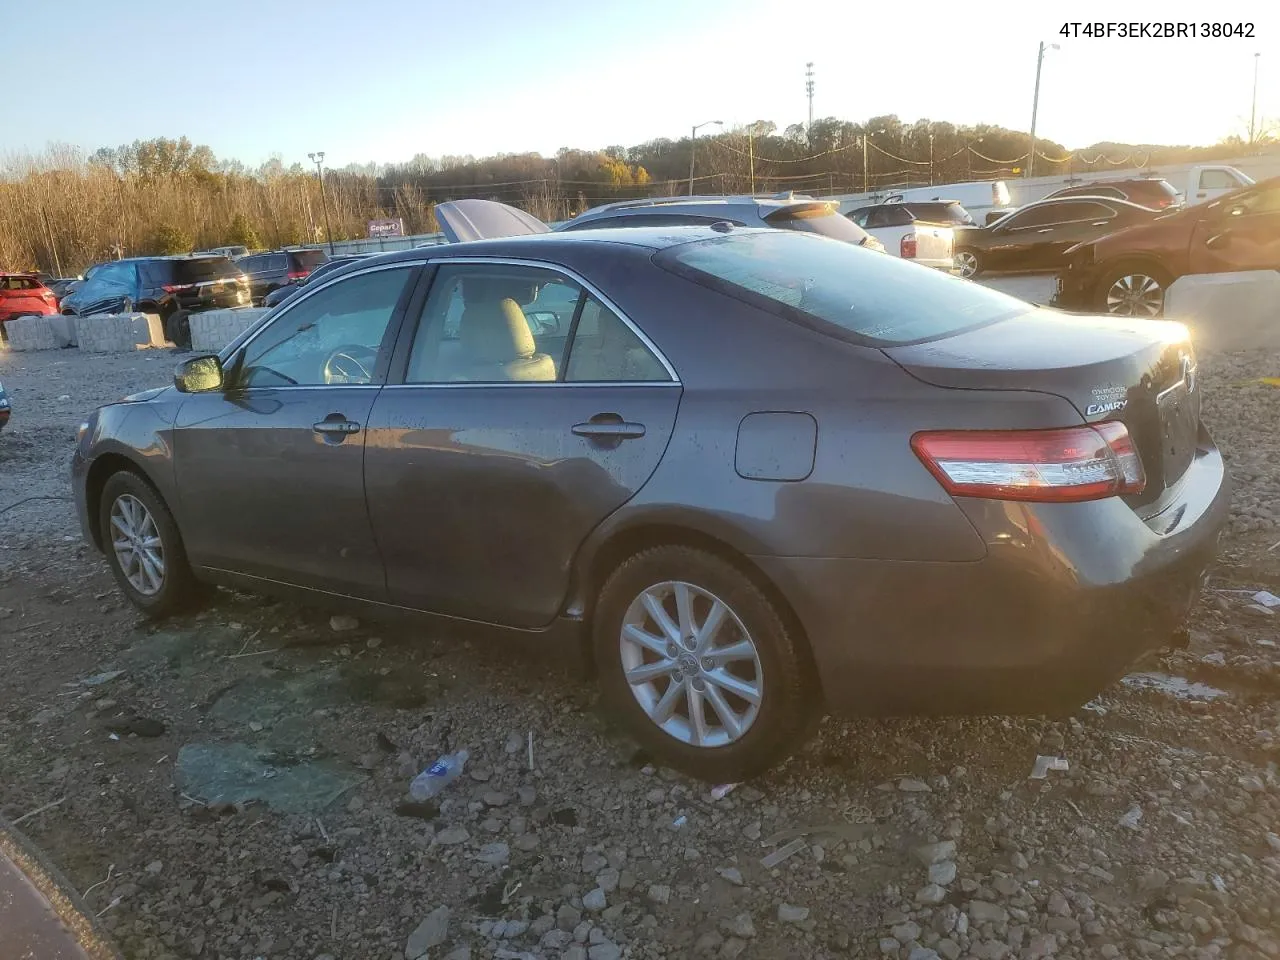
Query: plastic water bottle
[(439, 775)]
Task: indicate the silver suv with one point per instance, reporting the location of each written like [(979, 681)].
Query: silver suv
[(787, 211)]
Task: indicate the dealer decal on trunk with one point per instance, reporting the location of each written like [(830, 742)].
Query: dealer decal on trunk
[(1106, 399)]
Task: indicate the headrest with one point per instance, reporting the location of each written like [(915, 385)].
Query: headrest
[(496, 332), (492, 289)]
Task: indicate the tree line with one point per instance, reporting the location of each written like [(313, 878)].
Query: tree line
[(61, 210)]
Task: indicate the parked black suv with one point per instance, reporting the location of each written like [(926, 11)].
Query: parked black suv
[(169, 286), (281, 294), (270, 271)]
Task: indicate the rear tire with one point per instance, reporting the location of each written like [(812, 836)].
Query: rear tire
[(722, 706), (1132, 290), (144, 547), (968, 262), (177, 329)]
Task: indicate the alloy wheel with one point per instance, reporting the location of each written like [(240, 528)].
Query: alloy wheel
[(691, 664), (1135, 295), (138, 548), (967, 263)]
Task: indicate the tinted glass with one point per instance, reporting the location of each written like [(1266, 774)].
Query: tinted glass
[(606, 349), (330, 338), (1086, 210), (1035, 217), (952, 213), (893, 215), (494, 323), (277, 263), (203, 268), (860, 216), (305, 259), (882, 299)]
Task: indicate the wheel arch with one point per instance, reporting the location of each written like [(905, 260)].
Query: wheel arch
[(608, 550), (103, 468)]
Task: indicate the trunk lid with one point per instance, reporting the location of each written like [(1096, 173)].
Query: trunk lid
[(1140, 372), (933, 241), (463, 220)]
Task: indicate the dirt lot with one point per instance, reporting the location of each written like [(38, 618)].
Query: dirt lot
[(917, 839)]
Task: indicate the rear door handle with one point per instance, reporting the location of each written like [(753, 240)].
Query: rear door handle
[(608, 426)]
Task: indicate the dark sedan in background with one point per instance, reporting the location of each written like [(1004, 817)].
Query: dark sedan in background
[(1154, 192), (1129, 273), (752, 473), (1035, 236)]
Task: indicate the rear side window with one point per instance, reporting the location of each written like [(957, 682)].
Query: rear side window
[(203, 268), (952, 213), (1217, 180), (875, 298), (890, 215), (18, 283)]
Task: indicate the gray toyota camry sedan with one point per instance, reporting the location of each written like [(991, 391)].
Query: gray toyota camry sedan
[(756, 474)]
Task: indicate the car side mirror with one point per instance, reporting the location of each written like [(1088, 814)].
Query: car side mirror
[(198, 375)]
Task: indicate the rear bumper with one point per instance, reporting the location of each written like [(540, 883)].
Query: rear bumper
[(1074, 290), (1067, 598), (233, 297), (39, 309), (941, 263)]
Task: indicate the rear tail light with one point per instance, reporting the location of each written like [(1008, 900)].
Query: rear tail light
[(296, 275), (1053, 466), (907, 246), (46, 295), (178, 287)]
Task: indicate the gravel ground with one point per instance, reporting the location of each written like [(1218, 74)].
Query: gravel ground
[(909, 839)]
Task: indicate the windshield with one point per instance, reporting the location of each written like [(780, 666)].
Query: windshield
[(203, 268), (875, 297)]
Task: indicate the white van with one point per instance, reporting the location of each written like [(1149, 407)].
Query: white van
[(987, 200)]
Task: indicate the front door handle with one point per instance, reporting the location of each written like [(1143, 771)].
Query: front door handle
[(606, 427), (335, 427)]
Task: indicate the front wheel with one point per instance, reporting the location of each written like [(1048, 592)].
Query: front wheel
[(968, 263), (701, 665), (143, 546), (1133, 290)]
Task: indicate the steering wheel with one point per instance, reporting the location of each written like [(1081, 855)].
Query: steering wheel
[(351, 363)]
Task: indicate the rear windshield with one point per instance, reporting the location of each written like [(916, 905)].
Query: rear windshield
[(940, 212), (201, 268), (822, 220), (871, 295), (306, 259)]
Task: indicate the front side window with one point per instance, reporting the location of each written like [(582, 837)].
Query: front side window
[(493, 323), (883, 300), (1217, 180), (1035, 217), (331, 338)]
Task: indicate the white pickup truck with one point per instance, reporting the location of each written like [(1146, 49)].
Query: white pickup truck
[(1210, 181), (904, 234)]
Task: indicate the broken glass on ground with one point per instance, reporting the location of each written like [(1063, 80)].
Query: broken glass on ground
[(1179, 687), (216, 773)]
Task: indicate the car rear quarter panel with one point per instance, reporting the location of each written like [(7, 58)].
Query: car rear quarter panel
[(867, 495)]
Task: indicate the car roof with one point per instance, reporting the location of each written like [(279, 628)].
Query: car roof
[(536, 246), (1076, 198), (766, 203)]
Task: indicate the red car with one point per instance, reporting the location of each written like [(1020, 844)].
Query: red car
[(23, 294), (1129, 272)]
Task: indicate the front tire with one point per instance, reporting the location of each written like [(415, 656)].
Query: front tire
[(969, 263), (1133, 290), (701, 665), (143, 546)]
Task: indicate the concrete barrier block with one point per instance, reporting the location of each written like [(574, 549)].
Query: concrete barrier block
[(214, 329), (64, 330), (119, 332), (31, 333), (1228, 311)]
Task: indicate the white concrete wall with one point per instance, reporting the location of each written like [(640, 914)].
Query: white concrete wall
[(214, 329), (119, 332), (30, 333), (64, 330), (1228, 311)]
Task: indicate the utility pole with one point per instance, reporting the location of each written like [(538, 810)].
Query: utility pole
[(1035, 107), (864, 164), (53, 247), (931, 159), (1253, 110), (808, 88), (693, 142), (318, 158), (751, 158)]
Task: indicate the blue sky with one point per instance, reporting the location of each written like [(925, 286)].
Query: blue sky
[(387, 79)]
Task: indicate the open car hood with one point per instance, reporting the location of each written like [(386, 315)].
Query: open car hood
[(462, 220)]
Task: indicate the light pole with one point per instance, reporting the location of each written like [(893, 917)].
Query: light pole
[(318, 158), (1035, 106), (693, 140), (1253, 110), (931, 159)]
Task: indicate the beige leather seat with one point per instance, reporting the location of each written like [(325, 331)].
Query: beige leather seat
[(497, 345)]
